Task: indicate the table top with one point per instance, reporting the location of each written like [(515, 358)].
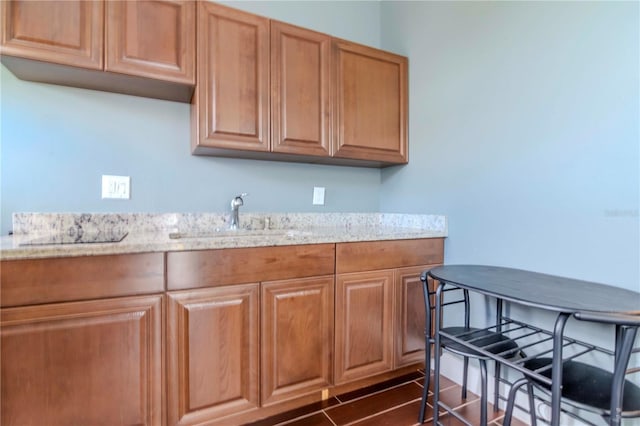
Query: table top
[(540, 290)]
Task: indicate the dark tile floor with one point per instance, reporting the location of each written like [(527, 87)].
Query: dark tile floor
[(393, 403)]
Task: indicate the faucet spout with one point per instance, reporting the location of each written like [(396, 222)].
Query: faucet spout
[(236, 202)]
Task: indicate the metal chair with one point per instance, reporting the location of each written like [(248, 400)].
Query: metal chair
[(588, 387), (490, 341)]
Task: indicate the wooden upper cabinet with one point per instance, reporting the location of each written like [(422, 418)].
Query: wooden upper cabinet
[(147, 48), (64, 32), (154, 39), (370, 104), (84, 363), (300, 90), (232, 95)]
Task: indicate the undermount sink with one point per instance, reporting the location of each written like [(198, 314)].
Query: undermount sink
[(240, 233)]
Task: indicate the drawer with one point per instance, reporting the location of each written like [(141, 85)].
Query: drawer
[(206, 268), (36, 281), (374, 255)]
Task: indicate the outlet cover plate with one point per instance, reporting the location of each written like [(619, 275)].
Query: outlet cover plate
[(318, 195), (116, 187)]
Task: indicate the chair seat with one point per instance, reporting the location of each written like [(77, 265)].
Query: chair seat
[(587, 385), (481, 338)]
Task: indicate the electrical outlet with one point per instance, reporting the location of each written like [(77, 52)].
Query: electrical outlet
[(318, 195), (117, 187)]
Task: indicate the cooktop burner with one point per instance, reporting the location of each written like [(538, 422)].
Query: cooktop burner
[(81, 238)]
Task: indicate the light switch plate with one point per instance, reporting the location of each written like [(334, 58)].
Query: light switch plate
[(318, 195), (116, 187)]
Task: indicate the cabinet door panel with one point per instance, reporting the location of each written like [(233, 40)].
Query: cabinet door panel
[(65, 32), (300, 79), (297, 337), (371, 104), (154, 39), (364, 331), (212, 353), (410, 319), (97, 362), (233, 79)]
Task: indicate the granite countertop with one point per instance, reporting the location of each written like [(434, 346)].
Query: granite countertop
[(41, 235)]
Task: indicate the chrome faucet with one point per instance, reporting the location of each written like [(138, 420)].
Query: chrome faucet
[(236, 202)]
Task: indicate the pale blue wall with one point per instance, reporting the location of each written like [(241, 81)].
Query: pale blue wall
[(524, 121), (56, 142)]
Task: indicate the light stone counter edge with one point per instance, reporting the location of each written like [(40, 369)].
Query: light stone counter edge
[(150, 232)]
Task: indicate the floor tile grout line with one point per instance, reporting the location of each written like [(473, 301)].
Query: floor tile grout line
[(383, 411), (329, 417), (371, 394)]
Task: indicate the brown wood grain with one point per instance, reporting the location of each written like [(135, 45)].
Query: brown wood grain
[(59, 31), (364, 324), (205, 268), (153, 39), (232, 102), (410, 316), (213, 353), (297, 338), (372, 255), (371, 103), (97, 362), (35, 281), (300, 90)]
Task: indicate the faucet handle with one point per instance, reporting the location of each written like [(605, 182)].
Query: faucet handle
[(244, 194)]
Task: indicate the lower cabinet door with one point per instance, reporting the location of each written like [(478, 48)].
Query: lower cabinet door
[(212, 353), (83, 363), (364, 331), (297, 337), (410, 316)]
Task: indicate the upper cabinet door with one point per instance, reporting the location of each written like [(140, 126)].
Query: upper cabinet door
[(155, 39), (232, 95), (64, 32), (300, 82), (370, 104)]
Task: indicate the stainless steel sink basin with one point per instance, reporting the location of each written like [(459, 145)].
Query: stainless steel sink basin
[(240, 233)]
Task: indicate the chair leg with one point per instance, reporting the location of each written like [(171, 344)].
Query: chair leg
[(532, 404), (496, 388), (427, 377), (512, 400), (483, 395), (465, 370)]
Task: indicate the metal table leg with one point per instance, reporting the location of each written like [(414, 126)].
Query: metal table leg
[(436, 353), (556, 373)]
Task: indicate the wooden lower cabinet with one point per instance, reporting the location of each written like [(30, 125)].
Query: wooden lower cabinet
[(83, 363), (212, 353), (297, 337), (364, 318), (410, 315)]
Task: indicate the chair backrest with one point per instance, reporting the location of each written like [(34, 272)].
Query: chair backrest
[(626, 333), (454, 296)]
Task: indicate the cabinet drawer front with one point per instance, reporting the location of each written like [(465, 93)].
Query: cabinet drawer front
[(206, 268), (368, 256), (83, 363), (34, 281)]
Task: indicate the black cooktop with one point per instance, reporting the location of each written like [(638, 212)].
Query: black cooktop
[(78, 238)]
